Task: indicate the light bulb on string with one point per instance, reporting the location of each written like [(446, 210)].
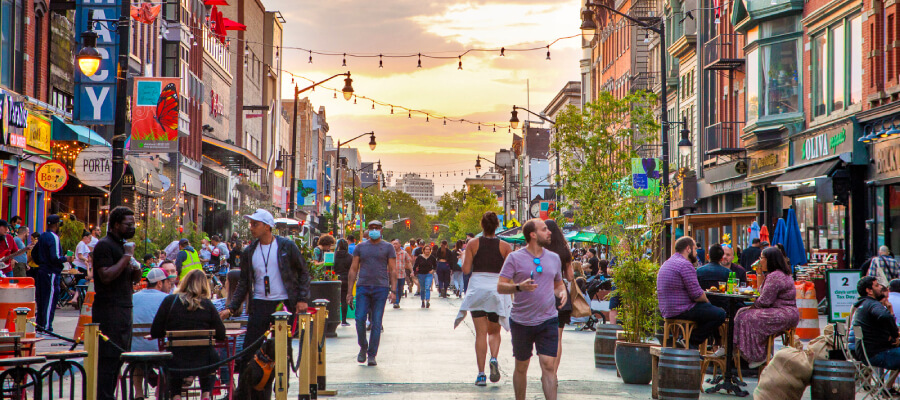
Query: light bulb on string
[(445, 121), (460, 63), (548, 52), (392, 110), (380, 63), (344, 61), (426, 119), (502, 51), (409, 116), (419, 65), (310, 57)]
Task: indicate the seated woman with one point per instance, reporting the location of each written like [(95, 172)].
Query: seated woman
[(189, 309), (773, 312)]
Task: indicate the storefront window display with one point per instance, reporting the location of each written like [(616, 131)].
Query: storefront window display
[(822, 224)]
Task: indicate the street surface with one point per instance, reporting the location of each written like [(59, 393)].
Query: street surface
[(422, 357)]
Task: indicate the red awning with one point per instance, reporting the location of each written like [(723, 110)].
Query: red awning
[(233, 25), (215, 3)]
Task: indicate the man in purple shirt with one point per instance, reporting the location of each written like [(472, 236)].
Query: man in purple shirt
[(534, 276), (680, 294)]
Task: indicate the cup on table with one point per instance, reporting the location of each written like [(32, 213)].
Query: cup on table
[(723, 286)]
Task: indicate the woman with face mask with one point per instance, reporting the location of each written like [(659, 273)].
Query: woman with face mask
[(424, 265)]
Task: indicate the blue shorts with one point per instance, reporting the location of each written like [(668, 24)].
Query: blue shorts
[(544, 338), (888, 359)]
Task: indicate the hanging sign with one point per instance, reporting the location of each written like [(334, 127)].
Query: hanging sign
[(52, 176), (306, 192), (93, 167), (37, 135), (645, 174), (95, 96), (154, 115)]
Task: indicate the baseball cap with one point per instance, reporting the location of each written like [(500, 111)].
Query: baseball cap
[(262, 216), (156, 275), (53, 219), (375, 222), (184, 242)]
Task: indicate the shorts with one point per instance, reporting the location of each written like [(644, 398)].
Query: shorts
[(565, 318), (492, 317), (544, 338), (614, 302)]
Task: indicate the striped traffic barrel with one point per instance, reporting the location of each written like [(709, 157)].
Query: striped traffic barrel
[(808, 328)]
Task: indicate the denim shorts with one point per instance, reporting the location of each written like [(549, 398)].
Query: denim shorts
[(544, 338)]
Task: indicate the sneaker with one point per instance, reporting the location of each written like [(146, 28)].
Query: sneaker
[(720, 352), (345, 323), (396, 306), (423, 303), (495, 370), (361, 358), (428, 304), (372, 362), (481, 380), (755, 365)]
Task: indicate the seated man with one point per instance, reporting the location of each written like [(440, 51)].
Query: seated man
[(146, 304), (875, 317), (726, 262), (680, 295), (711, 274)]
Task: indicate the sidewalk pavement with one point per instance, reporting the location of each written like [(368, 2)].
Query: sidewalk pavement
[(421, 356)]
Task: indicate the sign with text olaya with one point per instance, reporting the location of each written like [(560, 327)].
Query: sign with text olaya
[(95, 96)]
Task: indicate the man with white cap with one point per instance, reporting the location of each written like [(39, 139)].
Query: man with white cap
[(374, 270), (273, 273), (146, 304)]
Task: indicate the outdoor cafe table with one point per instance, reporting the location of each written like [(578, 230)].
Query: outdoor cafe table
[(729, 382), (230, 346)]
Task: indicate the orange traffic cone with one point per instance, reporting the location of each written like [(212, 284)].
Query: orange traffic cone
[(808, 328), (85, 317)]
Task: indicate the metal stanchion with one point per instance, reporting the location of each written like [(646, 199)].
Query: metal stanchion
[(282, 331), (21, 320), (313, 356), (92, 346), (304, 322), (322, 313)]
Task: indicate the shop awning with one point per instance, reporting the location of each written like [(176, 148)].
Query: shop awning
[(60, 130), (231, 156), (808, 173), (141, 168)]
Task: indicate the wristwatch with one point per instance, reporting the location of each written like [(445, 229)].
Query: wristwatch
[(518, 288)]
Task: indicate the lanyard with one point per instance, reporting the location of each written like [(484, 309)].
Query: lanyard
[(266, 257)]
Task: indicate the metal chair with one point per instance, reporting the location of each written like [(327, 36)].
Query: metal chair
[(869, 379), (19, 370), (192, 338), (143, 361)]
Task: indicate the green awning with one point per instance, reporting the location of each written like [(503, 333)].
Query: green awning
[(590, 237), (739, 12), (62, 131)]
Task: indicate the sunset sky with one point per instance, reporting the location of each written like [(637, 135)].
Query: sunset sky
[(484, 90)]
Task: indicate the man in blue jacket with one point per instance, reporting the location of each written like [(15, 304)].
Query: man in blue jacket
[(50, 259)]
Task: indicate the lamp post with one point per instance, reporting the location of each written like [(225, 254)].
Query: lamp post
[(658, 26), (348, 94), (505, 183), (338, 188), (88, 62), (514, 122)]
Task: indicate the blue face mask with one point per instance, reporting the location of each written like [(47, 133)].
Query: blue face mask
[(374, 234)]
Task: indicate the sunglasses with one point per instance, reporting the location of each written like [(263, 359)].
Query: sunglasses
[(537, 267)]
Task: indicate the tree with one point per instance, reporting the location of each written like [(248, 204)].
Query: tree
[(596, 147), (392, 205), (463, 210)]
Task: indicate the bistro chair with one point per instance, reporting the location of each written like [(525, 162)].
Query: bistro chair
[(14, 380), (144, 361), (673, 327), (61, 363), (193, 338)]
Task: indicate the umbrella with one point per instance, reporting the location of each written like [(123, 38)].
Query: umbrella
[(764, 234), (754, 232), (233, 25), (780, 232), (286, 221), (793, 243), (518, 238)]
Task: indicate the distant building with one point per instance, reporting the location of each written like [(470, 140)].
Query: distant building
[(419, 188)]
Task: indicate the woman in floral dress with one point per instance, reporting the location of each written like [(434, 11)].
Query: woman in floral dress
[(773, 312)]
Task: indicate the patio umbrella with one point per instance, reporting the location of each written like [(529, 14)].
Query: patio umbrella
[(518, 238), (793, 244), (780, 232), (754, 232), (764, 234)]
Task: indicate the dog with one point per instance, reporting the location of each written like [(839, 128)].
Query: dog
[(257, 374)]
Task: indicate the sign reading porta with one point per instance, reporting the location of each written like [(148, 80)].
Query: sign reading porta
[(52, 176), (93, 167)]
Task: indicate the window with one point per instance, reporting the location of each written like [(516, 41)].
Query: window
[(780, 83), (837, 67), (12, 43), (170, 58), (752, 85)]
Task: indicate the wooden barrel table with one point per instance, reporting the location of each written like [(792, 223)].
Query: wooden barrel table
[(605, 346), (679, 374), (833, 380)]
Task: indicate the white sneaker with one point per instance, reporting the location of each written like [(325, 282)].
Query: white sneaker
[(755, 365), (720, 352)]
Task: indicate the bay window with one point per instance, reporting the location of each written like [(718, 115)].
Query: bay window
[(837, 66), (773, 69)]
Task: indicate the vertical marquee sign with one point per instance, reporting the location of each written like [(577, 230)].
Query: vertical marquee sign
[(95, 96)]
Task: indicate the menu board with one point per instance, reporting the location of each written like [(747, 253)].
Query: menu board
[(842, 293)]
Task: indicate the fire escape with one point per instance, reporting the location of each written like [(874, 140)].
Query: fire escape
[(723, 55)]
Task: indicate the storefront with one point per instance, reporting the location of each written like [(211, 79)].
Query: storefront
[(82, 200), (764, 167), (19, 194), (815, 186), (883, 186), (724, 190)]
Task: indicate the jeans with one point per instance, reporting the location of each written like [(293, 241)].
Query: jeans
[(370, 301), (425, 286), (443, 272), (457, 281), (466, 281), (401, 282), (888, 359), (708, 318)]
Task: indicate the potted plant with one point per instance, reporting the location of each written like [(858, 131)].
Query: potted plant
[(324, 284), (615, 189)]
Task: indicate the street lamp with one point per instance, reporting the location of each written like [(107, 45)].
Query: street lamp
[(279, 171), (348, 93), (505, 171), (89, 58), (327, 198), (588, 27), (514, 122), (338, 188), (684, 145), (514, 119)]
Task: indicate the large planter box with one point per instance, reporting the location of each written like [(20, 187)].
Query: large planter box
[(331, 291)]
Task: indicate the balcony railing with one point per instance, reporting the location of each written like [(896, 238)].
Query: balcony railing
[(643, 81), (721, 52), (723, 138)]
